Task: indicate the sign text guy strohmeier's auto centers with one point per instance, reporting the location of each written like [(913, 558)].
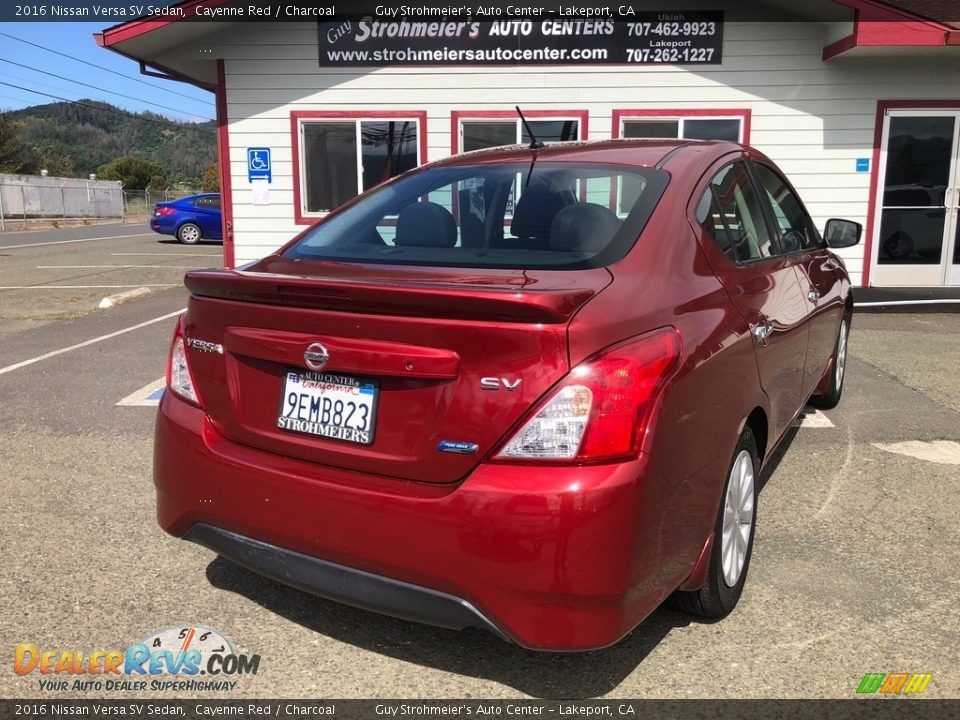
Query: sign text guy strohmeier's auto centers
[(468, 36)]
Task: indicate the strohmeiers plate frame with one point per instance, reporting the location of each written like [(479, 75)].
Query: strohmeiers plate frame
[(334, 379)]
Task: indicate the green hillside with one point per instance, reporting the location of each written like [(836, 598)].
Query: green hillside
[(93, 136)]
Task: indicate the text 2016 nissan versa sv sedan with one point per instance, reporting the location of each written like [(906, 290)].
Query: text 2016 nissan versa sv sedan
[(523, 389)]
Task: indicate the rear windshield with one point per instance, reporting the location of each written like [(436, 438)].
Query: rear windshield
[(549, 215)]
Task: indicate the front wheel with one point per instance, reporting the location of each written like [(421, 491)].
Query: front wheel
[(189, 234), (733, 537), (831, 396)]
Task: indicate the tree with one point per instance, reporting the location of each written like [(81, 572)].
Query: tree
[(211, 179), (158, 182), (57, 165), (134, 173), (16, 156)]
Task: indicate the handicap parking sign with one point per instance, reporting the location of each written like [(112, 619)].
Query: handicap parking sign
[(258, 164)]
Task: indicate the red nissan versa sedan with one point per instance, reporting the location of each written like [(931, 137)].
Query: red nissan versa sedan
[(523, 389)]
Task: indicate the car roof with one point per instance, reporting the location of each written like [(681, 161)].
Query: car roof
[(627, 151), (198, 195)]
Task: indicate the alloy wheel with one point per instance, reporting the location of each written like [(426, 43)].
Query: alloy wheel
[(737, 518), (841, 354), (189, 234)]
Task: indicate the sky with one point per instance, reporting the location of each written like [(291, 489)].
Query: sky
[(180, 101)]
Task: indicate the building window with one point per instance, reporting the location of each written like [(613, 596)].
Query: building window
[(340, 157), (480, 134), (494, 128), (731, 125)]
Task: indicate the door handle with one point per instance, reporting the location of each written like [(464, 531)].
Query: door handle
[(763, 332), (813, 295), (829, 265)]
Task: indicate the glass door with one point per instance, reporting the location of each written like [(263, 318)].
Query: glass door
[(916, 241)]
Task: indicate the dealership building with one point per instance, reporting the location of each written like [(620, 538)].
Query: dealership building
[(858, 101)]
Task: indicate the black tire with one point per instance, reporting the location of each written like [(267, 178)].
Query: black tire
[(717, 597), (189, 233), (831, 397)]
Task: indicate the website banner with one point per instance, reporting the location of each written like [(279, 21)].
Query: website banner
[(646, 38)]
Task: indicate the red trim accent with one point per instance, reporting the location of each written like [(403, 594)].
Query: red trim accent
[(582, 116), (297, 115), (875, 10), (141, 26), (745, 116), (882, 107), (878, 25), (839, 47), (223, 158)]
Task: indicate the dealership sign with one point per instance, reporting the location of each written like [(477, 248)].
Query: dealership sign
[(646, 38)]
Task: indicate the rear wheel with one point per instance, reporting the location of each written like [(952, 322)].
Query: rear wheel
[(733, 537), (831, 397), (189, 234)]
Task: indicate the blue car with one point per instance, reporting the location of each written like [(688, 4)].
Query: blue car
[(190, 219)]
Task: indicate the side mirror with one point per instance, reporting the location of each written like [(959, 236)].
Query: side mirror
[(842, 233)]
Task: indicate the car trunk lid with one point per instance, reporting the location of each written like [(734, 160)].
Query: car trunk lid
[(415, 341)]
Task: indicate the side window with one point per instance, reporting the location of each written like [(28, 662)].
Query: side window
[(797, 231), (731, 214), (210, 203)]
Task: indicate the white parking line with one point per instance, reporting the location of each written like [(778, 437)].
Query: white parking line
[(216, 255), (944, 452), (113, 267), (147, 396), (81, 287), (85, 343), (67, 242), (811, 418), (105, 225)]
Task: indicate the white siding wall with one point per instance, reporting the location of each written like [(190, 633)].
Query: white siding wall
[(813, 118)]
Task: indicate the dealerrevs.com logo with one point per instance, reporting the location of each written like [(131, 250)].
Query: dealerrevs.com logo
[(181, 658), (894, 683)]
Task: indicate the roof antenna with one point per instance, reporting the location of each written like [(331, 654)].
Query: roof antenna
[(535, 144)]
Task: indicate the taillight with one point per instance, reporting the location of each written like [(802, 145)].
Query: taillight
[(157, 212), (179, 378), (600, 412)]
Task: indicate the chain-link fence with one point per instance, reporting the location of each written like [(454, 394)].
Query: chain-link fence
[(38, 201), (138, 204)]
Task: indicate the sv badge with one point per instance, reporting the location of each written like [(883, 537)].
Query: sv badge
[(492, 383)]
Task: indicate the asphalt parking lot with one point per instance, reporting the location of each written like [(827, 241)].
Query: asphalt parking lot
[(52, 275), (854, 567)]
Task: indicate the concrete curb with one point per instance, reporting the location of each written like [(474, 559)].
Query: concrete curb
[(122, 297)]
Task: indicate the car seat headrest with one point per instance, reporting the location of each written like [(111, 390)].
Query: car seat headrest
[(426, 224), (535, 211), (584, 227)]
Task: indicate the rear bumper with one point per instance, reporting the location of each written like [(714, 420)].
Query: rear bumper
[(161, 227), (343, 584), (549, 557)]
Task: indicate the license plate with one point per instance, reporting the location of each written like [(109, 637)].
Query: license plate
[(339, 407)]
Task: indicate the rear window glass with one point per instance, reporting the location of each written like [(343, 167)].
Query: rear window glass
[(511, 215)]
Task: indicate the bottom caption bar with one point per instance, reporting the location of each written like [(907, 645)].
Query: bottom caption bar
[(441, 709)]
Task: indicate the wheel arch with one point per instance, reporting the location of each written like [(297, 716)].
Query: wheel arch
[(760, 426)]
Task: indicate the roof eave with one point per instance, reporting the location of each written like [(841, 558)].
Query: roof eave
[(877, 25)]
